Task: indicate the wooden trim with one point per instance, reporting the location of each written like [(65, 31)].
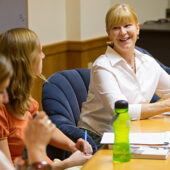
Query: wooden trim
[(55, 48), (74, 46), (87, 44)]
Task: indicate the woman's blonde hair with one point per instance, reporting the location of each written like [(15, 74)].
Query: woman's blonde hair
[(19, 45), (6, 69), (120, 13)]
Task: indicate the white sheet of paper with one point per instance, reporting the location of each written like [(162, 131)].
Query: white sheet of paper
[(138, 138), (166, 113)]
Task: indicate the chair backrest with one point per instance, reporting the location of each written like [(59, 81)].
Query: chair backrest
[(65, 92), (62, 99)]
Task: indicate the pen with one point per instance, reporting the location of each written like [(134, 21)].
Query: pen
[(85, 135), (85, 139)]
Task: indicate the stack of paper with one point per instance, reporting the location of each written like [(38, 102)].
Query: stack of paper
[(146, 152), (144, 145)]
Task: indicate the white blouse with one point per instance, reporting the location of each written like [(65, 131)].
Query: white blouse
[(113, 79)]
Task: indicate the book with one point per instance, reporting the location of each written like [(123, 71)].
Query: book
[(146, 152)]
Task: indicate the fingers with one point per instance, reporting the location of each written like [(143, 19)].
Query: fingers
[(39, 127), (78, 158), (42, 120), (41, 115), (88, 148), (84, 146)]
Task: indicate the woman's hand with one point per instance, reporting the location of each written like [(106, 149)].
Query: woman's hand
[(76, 159), (37, 135), (39, 130), (84, 146)]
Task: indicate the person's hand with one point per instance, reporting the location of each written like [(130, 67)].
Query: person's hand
[(39, 131), (76, 159), (84, 146), (37, 135)]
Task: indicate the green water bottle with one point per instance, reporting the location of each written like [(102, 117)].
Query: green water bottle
[(121, 126)]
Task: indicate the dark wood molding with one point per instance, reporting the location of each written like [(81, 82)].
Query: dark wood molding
[(87, 44), (55, 48), (73, 46)]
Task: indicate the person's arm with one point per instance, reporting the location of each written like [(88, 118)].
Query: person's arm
[(163, 91), (4, 162), (38, 134), (4, 133), (57, 138), (5, 148), (60, 140), (152, 109)]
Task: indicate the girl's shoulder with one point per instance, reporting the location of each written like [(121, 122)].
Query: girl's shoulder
[(34, 106)]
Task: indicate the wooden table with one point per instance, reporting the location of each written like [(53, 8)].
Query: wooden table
[(102, 160)]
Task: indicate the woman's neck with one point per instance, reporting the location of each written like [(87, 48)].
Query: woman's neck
[(128, 55)]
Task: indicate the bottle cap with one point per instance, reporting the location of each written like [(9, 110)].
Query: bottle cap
[(121, 104)]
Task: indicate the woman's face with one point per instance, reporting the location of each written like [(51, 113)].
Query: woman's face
[(124, 36), (37, 62), (3, 92)]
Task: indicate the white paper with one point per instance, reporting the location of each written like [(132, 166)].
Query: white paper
[(138, 138), (166, 113)]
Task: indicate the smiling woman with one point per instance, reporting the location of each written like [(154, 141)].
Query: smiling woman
[(123, 30), (123, 73)]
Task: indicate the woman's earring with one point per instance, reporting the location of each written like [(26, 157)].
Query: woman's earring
[(137, 36)]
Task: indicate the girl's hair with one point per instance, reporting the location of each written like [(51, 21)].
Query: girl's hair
[(6, 70), (120, 13), (20, 46)]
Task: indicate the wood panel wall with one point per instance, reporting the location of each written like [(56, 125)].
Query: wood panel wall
[(68, 55)]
